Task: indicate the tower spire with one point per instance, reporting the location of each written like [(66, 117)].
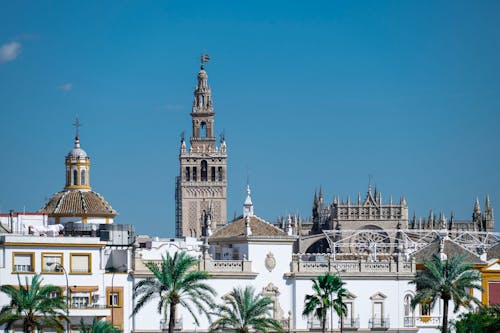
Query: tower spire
[(203, 165)]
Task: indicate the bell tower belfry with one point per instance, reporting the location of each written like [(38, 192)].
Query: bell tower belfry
[(202, 182)]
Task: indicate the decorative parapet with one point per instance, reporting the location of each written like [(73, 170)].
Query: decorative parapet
[(211, 265), (216, 268), (322, 263)]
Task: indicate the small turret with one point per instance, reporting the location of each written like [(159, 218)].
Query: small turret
[(248, 205)]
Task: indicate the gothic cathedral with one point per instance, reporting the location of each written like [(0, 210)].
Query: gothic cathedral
[(201, 186)]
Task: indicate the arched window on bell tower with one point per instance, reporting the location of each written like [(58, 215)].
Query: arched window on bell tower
[(75, 177), (82, 177), (204, 171), (203, 130)]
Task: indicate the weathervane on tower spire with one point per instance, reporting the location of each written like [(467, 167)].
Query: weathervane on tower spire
[(204, 59)]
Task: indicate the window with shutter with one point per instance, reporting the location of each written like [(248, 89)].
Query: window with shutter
[(80, 263), (23, 262)]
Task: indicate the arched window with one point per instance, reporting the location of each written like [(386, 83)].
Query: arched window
[(212, 178), (82, 177), (204, 170), (409, 318), (407, 306), (219, 172), (195, 174), (187, 174), (68, 177), (203, 130), (75, 177)]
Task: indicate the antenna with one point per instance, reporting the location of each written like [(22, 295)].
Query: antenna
[(77, 124)]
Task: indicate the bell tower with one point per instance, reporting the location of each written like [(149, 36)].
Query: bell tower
[(202, 182)]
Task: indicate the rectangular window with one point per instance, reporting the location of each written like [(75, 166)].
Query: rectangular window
[(195, 176), (425, 309), (23, 262), (219, 173), (80, 263), (53, 294), (113, 299), (187, 175), (52, 262), (80, 300)]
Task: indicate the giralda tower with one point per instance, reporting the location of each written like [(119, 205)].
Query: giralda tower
[(202, 183)]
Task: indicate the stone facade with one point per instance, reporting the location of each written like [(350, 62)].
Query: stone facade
[(202, 182)]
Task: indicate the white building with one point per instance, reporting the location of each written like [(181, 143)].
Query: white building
[(73, 243)]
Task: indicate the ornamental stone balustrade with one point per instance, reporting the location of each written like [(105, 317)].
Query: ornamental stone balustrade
[(322, 263), (241, 268)]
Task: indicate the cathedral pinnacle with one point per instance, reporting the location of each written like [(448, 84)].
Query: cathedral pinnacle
[(487, 205), (477, 207)]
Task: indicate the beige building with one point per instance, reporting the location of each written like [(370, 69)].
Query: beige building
[(202, 182)]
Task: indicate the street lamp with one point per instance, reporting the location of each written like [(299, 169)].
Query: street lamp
[(59, 267)]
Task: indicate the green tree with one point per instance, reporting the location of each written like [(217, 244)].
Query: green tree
[(339, 306), (448, 280), (328, 293), (244, 311), (98, 326), (486, 320), (175, 282), (36, 306)]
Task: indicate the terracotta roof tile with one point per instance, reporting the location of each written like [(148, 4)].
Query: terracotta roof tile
[(259, 227), (450, 248), (76, 202), (494, 252)]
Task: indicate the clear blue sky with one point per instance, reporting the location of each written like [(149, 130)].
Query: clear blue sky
[(309, 93)]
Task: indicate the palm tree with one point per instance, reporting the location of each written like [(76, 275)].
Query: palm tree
[(98, 326), (243, 311), (35, 305), (175, 282), (338, 304), (450, 279), (325, 287)]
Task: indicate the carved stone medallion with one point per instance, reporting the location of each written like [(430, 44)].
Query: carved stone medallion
[(270, 262)]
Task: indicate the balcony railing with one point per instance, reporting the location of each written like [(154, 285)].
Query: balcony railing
[(422, 321), (319, 263), (177, 326), (379, 323), (87, 306), (315, 323), (351, 323), (409, 322)]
